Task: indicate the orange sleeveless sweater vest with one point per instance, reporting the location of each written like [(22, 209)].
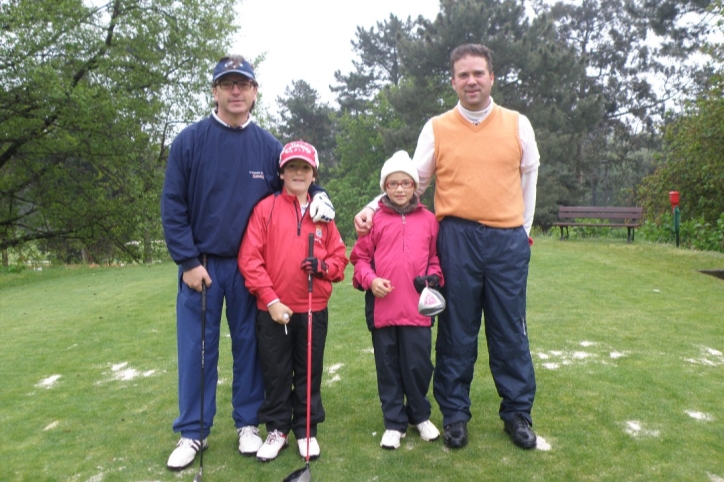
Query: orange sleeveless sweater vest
[(477, 168)]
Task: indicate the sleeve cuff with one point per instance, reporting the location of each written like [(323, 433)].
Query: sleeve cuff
[(190, 264)]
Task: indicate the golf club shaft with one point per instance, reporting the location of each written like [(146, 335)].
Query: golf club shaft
[(199, 476), (309, 350), (305, 475)]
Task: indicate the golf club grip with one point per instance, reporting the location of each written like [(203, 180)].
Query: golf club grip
[(311, 255), (203, 291)]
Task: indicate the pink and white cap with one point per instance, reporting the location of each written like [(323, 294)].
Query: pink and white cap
[(299, 150)]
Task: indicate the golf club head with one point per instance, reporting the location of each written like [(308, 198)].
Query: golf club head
[(431, 302), (199, 478), (301, 475)]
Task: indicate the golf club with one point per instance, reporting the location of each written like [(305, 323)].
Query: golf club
[(200, 475), (305, 474)]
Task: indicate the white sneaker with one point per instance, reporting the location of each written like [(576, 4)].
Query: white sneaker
[(249, 440), (428, 431), (313, 448), (275, 442), (391, 439), (185, 453)]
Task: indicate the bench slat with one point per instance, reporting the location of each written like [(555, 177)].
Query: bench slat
[(601, 208), (600, 225), (600, 213)]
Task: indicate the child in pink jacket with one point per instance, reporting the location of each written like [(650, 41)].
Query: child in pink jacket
[(393, 263)]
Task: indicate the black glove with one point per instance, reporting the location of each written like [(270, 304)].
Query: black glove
[(315, 266), (421, 281)]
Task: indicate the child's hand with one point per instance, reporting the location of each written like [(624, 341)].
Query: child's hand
[(421, 281), (277, 312), (314, 266), (381, 287), (363, 221)]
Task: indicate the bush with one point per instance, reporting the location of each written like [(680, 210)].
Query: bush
[(693, 233), (12, 269)]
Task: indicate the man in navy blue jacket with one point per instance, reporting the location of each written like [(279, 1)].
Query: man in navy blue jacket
[(217, 170)]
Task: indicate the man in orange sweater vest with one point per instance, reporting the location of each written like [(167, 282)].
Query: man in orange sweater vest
[(485, 161)]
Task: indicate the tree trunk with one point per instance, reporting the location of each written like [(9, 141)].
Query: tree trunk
[(147, 247)]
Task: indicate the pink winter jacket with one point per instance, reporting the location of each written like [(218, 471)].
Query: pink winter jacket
[(399, 247)]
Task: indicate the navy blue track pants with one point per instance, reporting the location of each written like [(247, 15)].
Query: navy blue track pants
[(486, 273), (247, 385)]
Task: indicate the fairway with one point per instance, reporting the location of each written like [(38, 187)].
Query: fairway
[(627, 342)]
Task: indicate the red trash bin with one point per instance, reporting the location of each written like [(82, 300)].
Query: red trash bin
[(674, 198)]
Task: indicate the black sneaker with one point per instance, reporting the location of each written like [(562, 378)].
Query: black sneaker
[(455, 435), (520, 432)]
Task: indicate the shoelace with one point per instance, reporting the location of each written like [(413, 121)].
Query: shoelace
[(194, 444), (248, 432), (274, 437)]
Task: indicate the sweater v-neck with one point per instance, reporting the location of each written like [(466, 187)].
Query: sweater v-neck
[(479, 126)]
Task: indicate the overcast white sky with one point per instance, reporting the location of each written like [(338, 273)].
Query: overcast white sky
[(310, 39)]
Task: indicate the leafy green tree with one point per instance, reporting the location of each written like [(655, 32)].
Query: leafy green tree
[(618, 66), (91, 95), (361, 151), (379, 64), (368, 124), (302, 115), (692, 161), (637, 55)]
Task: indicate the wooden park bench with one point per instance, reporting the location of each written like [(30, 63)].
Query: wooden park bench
[(613, 217)]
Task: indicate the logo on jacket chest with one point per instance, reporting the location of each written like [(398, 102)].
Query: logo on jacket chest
[(257, 174)]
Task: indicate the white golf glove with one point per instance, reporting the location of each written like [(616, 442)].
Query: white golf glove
[(321, 208)]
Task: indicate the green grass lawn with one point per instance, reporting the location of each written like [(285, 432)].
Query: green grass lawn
[(627, 341)]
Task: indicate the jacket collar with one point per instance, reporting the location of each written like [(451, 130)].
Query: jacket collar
[(291, 197), (414, 205)]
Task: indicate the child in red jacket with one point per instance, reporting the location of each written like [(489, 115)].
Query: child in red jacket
[(274, 260), (393, 263)]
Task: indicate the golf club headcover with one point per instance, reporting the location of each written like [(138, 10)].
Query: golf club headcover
[(530, 241), (321, 208), (420, 282), (315, 266)]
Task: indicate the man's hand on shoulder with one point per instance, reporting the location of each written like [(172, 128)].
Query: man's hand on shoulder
[(321, 208), (363, 221)]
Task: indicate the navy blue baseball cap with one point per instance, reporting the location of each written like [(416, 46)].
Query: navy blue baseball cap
[(234, 64)]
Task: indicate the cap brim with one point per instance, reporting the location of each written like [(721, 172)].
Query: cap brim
[(301, 158), (245, 73)]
